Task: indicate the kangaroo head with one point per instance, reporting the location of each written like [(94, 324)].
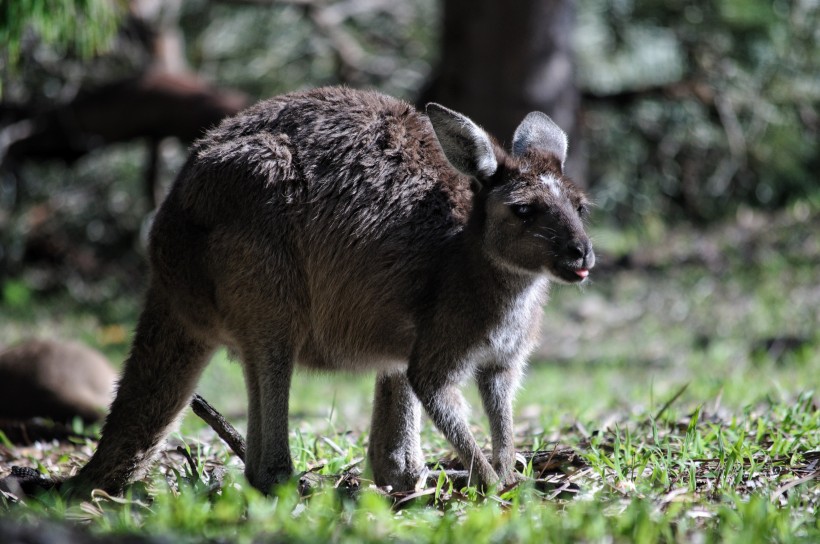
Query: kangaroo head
[(533, 214)]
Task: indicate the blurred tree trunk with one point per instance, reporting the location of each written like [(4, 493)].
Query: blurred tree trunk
[(501, 60)]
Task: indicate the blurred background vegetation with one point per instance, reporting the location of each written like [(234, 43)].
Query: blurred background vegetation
[(693, 124), (678, 111)]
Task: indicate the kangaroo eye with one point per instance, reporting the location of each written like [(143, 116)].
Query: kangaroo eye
[(523, 210), (583, 210)]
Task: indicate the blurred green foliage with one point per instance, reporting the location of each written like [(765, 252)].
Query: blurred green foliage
[(81, 28), (274, 49), (16, 294), (697, 107)]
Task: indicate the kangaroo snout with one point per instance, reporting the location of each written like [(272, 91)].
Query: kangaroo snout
[(583, 253), (578, 250), (575, 261)]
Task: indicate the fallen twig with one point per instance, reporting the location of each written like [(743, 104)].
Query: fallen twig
[(225, 430), (794, 483)]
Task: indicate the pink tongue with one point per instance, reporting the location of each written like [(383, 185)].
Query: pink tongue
[(582, 272)]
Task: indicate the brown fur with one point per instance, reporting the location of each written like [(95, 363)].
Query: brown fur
[(327, 228), (56, 380)]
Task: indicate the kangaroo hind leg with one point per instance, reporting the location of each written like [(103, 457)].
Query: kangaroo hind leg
[(157, 383)]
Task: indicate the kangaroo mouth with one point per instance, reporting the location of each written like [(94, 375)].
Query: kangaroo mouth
[(571, 274), (575, 270)]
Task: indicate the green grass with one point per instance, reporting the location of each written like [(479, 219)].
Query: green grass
[(643, 480), (685, 423)]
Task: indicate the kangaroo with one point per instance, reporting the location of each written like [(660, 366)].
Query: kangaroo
[(344, 230)]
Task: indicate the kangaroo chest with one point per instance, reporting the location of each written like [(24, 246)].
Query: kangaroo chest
[(512, 336)]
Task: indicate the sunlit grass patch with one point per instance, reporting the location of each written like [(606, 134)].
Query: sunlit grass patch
[(749, 475)]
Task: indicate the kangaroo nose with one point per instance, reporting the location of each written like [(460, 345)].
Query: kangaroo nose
[(577, 249)]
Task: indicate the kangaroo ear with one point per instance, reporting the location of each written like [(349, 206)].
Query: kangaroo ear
[(465, 144), (538, 131)]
